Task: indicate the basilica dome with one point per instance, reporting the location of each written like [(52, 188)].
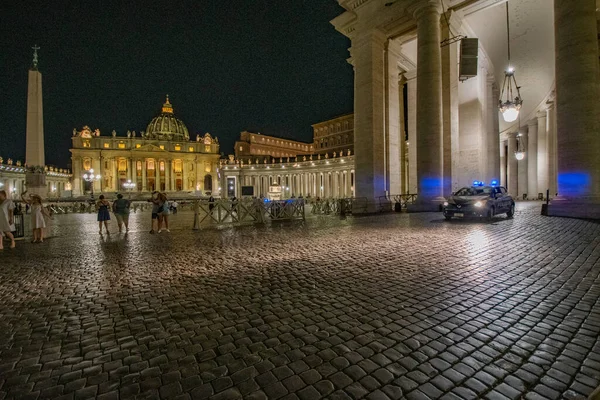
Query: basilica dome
[(166, 127)]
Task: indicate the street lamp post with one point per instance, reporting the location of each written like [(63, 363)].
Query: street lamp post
[(129, 186), (91, 178)]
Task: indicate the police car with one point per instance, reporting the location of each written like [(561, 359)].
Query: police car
[(479, 200)]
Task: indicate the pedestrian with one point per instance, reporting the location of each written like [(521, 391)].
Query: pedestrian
[(121, 210), (211, 203), (155, 209), (234, 204), (38, 216), (174, 206), (163, 213), (7, 220), (103, 206)]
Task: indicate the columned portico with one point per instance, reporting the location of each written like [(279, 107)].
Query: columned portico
[(577, 109)]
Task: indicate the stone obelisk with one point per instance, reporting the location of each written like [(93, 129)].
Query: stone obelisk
[(34, 154)]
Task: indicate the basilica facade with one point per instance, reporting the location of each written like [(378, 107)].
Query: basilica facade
[(160, 158)]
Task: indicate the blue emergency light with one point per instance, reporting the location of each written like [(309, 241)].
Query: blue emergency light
[(494, 183), (478, 183)]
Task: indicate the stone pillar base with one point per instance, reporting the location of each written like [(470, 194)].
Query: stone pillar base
[(426, 205), (588, 208), (36, 184)]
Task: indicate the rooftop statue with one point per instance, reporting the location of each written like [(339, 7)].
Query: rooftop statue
[(133, 134), (74, 132), (86, 132), (97, 132), (128, 134), (114, 133)]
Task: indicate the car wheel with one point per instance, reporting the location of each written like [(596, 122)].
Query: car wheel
[(490, 214), (511, 211), (448, 217)]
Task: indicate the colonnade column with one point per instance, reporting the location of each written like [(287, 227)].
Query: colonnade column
[(577, 108), (115, 173), (513, 172), (144, 164), (492, 131), (450, 139), (411, 86), (503, 174), (552, 142), (542, 153), (368, 55), (429, 108), (167, 175), (522, 167), (531, 155), (393, 140)]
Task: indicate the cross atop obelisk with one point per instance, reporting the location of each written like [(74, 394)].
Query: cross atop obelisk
[(35, 48)]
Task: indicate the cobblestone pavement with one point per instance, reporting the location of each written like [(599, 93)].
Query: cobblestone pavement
[(384, 307)]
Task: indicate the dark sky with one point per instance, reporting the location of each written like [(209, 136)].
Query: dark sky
[(272, 66)]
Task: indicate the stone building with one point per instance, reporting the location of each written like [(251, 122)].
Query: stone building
[(161, 158), (455, 132), (336, 134), (256, 144)]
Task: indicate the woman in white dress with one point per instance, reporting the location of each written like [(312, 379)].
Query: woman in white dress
[(38, 223), (7, 220)]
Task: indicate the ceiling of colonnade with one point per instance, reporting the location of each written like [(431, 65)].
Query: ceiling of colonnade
[(532, 45)]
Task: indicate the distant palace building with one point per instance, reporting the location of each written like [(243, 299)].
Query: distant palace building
[(161, 158), (255, 144)]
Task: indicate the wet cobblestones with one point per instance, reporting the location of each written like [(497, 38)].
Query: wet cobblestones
[(385, 307)]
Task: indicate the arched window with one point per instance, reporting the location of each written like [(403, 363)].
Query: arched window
[(207, 182)]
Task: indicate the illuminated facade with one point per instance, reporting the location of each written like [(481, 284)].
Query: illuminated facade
[(13, 180), (161, 158)]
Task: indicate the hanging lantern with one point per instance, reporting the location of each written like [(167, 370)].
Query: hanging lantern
[(510, 98), (520, 153)]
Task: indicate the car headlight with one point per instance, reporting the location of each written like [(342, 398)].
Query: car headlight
[(479, 204), (445, 204)]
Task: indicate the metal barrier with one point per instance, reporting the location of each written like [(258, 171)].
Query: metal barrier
[(224, 211), (19, 231), (340, 206), (396, 202)]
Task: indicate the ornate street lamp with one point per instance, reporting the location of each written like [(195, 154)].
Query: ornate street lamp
[(129, 186), (91, 178), (510, 98)]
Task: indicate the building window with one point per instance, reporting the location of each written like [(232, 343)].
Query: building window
[(87, 164), (207, 182), (207, 148), (138, 165), (177, 147), (137, 146), (191, 149), (241, 148), (121, 145), (150, 164), (106, 146), (162, 146), (162, 166), (177, 165), (122, 165)]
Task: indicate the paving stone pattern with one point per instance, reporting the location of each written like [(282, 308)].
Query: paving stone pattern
[(384, 307)]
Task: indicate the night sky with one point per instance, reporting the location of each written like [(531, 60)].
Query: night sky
[(269, 66)]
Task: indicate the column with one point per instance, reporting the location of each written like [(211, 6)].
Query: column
[(172, 175), (184, 169), (411, 82), (492, 151), (512, 172), (77, 186), (503, 175), (144, 180), (450, 120), (522, 166), (429, 108), (168, 186), (551, 143), (96, 165), (368, 55), (542, 153), (392, 119), (531, 154), (577, 109), (115, 174)]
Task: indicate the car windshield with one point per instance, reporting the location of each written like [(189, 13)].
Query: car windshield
[(473, 191)]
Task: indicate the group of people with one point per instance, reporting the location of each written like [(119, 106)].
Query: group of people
[(7, 217), (120, 207)]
